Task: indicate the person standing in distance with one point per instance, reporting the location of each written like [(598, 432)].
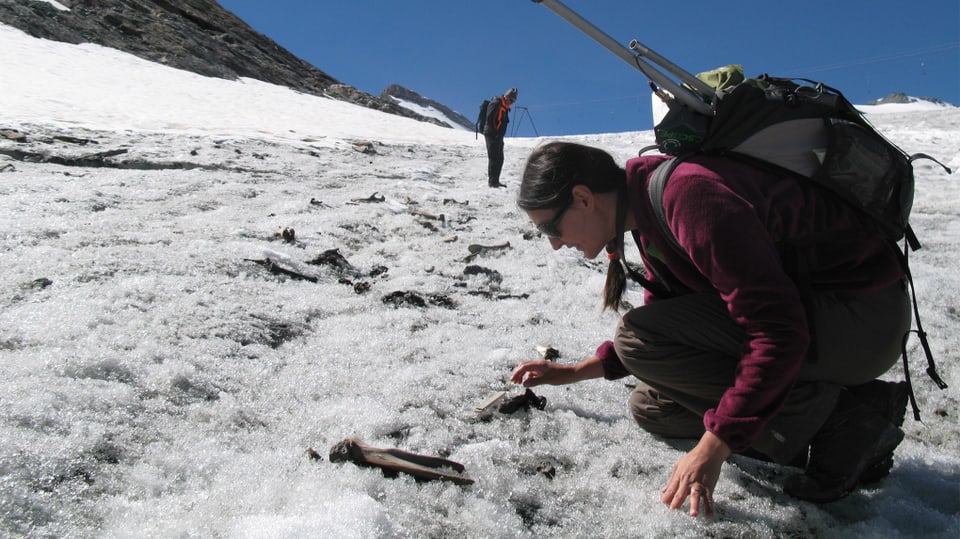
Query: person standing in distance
[(495, 127)]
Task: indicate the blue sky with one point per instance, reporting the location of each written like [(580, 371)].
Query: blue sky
[(460, 52)]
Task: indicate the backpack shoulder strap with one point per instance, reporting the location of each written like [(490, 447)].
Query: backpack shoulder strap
[(656, 187)]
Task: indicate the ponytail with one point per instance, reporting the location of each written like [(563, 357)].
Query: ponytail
[(617, 270), (616, 283)]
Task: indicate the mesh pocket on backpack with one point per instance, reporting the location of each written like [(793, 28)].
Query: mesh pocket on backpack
[(866, 171)]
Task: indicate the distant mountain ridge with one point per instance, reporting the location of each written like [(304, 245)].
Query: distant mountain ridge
[(902, 98), (198, 36), (404, 95)]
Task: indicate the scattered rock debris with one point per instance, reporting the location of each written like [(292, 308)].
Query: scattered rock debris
[(547, 469), (548, 352), (405, 297), (276, 269), (528, 399), (493, 275), (334, 259), (36, 284), (365, 146), (374, 198), (14, 135), (287, 234)]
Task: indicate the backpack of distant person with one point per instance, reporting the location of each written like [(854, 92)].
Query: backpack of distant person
[(481, 122), (805, 129)]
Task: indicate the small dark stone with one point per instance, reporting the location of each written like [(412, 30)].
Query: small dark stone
[(335, 260), (551, 353), (361, 287), (441, 300), (401, 297), (40, 284), (528, 399), (547, 469)]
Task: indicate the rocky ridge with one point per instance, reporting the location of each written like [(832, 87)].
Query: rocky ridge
[(395, 91), (194, 35)]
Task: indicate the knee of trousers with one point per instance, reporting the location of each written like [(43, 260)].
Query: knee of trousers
[(659, 415), (635, 346), (627, 339)]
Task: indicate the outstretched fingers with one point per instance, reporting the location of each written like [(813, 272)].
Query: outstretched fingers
[(526, 373), (679, 489), (696, 474)]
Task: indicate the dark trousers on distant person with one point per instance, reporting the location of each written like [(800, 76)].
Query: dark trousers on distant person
[(494, 159), (686, 349)]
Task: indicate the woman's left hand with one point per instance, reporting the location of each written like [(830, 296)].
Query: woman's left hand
[(696, 474)]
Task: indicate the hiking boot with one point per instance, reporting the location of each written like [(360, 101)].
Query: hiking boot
[(890, 399), (497, 184), (799, 461), (854, 438)]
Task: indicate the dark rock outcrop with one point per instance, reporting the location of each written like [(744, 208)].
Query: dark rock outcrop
[(399, 92), (194, 35)]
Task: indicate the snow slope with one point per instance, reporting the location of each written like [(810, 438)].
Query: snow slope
[(159, 382)]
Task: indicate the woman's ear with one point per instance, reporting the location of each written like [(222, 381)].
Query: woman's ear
[(582, 196)]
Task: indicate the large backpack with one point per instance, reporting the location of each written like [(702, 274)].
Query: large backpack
[(805, 129), (481, 122)]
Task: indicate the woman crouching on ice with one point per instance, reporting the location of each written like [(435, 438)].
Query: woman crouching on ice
[(753, 338)]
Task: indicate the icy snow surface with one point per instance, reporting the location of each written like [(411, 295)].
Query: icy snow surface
[(158, 382)]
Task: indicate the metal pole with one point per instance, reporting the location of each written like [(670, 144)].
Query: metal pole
[(687, 96), (708, 91)]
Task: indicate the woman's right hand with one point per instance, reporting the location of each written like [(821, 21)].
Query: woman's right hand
[(540, 371)]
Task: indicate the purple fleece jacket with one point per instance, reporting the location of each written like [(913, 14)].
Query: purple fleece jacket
[(730, 218)]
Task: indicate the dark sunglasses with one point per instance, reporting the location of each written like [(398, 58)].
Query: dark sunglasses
[(549, 228)]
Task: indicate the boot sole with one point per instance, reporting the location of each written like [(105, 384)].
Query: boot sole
[(875, 473)]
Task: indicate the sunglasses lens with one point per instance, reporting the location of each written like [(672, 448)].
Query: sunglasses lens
[(547, 230), (551, 227)]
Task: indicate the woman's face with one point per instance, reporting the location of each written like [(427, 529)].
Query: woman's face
[(577, 224)]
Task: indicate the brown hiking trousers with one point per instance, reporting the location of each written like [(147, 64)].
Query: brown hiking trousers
[(685, 350)]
